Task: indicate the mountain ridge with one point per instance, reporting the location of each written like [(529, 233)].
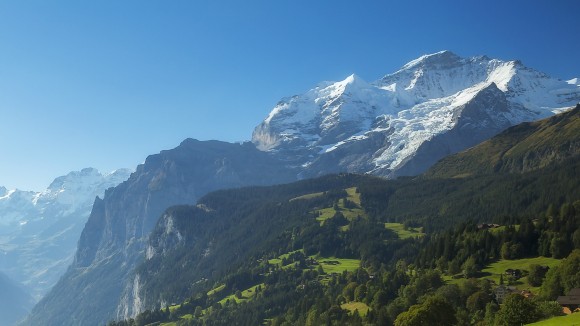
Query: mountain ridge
[(520, 148)]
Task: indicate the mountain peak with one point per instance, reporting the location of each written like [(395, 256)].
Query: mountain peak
[(73, 177), (351, 82), (353, 78), (441, 58), (118, 172)]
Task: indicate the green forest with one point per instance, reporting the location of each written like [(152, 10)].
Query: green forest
[(288, 271)]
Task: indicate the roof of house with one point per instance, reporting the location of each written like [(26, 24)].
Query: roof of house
[(569, 299), (503, 288)]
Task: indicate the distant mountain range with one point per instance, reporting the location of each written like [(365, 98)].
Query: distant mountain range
[(39, 231), (400, 125)]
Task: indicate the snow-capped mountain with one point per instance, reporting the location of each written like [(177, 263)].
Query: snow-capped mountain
[(404, 122), (39, 230)]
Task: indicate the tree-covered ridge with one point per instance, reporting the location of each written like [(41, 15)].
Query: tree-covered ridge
[(233, 227), (398, 281), (228, 226), (522, 148), (232, 238)]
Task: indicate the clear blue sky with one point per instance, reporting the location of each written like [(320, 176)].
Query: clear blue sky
[(106, 83)]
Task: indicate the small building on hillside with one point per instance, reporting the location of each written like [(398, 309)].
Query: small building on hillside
[(570, 302), (503, 291), (515, 273), (485, 226)]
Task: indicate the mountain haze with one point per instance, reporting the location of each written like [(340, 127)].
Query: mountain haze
[(15, 303), (39, 230)]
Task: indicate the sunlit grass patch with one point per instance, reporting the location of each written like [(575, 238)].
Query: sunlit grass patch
[(333, 265), (353, 195), (362, 308), (494, 270), (247, 294), (324, 214), (399, 229), (216, 290), (569, 320), (278, 261)]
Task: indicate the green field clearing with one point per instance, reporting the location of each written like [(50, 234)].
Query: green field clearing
[(450, 280), (569, 320), (338, 265), (405, 234), (247, 294), (172, 308), (494, 270), (325, 214), (349, 213), (353, 195), (330, 265), (362, 308), (216, 290), (278, 261), (172, 323), (502, 229)]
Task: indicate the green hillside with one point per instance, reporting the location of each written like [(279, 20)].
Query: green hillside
[(522, 148), (569, 320)]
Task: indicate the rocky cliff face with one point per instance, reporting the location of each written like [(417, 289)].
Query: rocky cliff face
[(114, 238)]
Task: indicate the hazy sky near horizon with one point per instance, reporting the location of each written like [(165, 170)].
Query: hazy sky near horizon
[(106, 83)]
